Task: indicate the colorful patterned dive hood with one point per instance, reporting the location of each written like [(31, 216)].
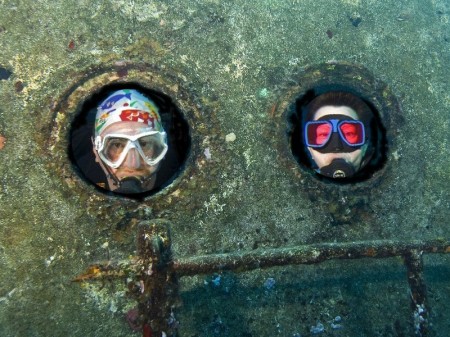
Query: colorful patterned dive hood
[(127, 106)]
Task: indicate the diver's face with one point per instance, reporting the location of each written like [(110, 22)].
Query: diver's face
[(322, 159), (133, 164)]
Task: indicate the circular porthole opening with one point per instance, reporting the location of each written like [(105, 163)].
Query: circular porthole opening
[(338, 134), (129, 140)]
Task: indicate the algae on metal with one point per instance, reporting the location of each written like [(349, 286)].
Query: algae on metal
[(244, 196)]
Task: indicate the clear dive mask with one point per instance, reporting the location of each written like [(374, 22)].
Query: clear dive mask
[(113, 148)]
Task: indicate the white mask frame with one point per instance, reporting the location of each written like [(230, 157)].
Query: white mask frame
[(131, 144)]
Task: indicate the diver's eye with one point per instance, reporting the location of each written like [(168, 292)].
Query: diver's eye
[(145, 144), (322, 133), (114, 147), (117, 145), (352, 132), (148, 142)]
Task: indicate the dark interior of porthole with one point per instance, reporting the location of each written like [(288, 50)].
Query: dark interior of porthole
[(296, 120), (82, 130)]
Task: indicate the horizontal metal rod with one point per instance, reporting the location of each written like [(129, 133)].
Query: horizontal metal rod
[(265, 258), (306, 254)]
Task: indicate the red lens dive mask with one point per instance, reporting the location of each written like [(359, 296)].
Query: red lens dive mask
[(319, 134)]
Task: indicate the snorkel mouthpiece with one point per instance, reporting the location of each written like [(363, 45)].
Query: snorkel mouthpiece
[(338, 168), (130, 185)]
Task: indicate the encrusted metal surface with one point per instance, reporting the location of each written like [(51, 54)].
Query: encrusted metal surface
[(233, 68)]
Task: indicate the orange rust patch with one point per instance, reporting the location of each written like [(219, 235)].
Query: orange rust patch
[(272, 110), (2, 142), (92, 272), (371, 252)]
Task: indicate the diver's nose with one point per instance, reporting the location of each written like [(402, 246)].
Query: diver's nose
[(337, 144), (132, 160)]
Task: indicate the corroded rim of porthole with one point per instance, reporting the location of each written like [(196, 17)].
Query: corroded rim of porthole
[(346, 77), (91, 82)]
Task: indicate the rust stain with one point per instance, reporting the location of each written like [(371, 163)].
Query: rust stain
[(97, 271), (2, 142), (19, 86), (371, 252), (71, 45), (272, 110)]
